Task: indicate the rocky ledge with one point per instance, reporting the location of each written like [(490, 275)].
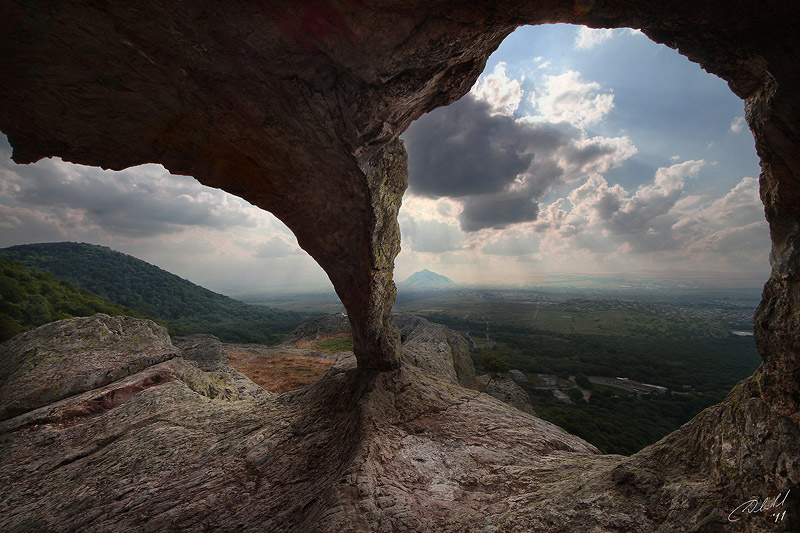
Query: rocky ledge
[(431, 347), (506, 390), (188, 443)]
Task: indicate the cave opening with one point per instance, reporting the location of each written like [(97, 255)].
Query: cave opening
[(596, 165)]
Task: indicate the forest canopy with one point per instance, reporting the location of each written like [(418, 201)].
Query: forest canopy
[(149, 291)]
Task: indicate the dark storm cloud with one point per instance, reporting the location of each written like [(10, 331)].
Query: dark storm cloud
[(497, 166), (513, 205), (497, 211), (462, 149), (138, 202)]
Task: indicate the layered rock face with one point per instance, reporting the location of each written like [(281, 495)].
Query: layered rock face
[(296, 107), (56, 365)]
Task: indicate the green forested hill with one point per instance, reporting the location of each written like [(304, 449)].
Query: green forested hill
[(30, 298), (183, 306)]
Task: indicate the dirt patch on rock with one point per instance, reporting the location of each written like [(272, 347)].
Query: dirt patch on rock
[(279, 372)]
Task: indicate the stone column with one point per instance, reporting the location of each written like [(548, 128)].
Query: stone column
[(376, 339)]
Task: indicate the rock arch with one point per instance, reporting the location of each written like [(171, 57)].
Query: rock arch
[(297, 106)]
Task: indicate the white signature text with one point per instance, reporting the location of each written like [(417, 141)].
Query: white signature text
[(768, 506)]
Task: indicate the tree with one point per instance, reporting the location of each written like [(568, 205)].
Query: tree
[(493, 364), (583, 382), (575, 394), (36, 309)]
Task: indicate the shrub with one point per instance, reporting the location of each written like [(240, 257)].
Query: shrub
[(494, 364)]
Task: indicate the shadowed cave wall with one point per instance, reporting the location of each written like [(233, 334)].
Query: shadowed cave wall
[(297, 108)]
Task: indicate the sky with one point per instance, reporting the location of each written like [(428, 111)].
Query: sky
[(577, 151)]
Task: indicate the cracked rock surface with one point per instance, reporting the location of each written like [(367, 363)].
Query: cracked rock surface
[(190, 443), (174, 446)]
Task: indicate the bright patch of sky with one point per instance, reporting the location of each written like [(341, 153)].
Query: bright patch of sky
[(577, 151)]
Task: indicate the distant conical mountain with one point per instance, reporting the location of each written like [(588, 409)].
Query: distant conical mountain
[(180, 304), (425, 280)]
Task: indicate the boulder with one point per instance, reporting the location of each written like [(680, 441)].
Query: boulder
[(519, 377), (436, 348), (205, 350), (506, 390), (72, 356)]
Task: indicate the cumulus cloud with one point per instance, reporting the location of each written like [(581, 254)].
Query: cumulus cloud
[(739, 206), (587, 38), (502, 93), (497, 166), (605, 225), (595, 155), (738, 124), (656, 222), (642, 220), (740, 203), (552, 217), (565, 97), (736, 240), (137, 202)]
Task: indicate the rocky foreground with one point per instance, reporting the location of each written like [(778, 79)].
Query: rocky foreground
[(107, 425)]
